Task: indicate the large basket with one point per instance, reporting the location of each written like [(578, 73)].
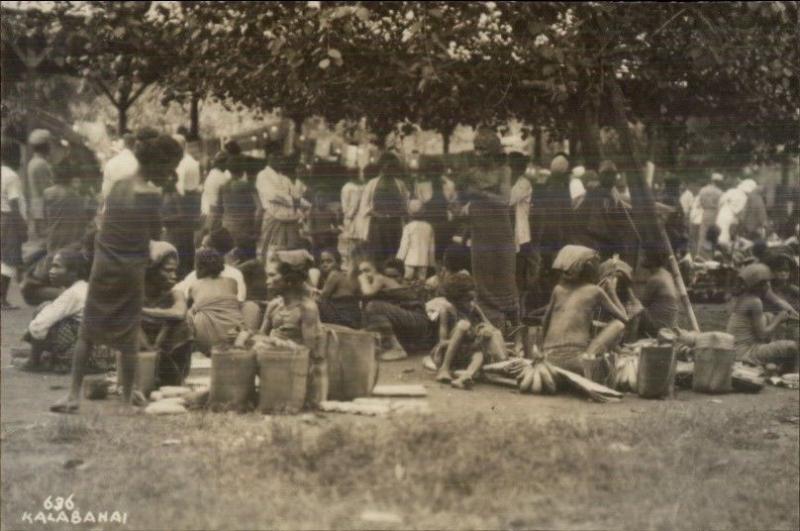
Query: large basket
[(713, 363), (233, 379), (283, 378), (352, 363), (656, 376)]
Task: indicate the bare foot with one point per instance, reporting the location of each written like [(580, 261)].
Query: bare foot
[(428, 364), (394, 354), (444, 377), (463, 383), (138, 399), (65, 405)]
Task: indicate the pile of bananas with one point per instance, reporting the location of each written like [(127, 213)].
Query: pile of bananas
[(538, 379), (626, 374)]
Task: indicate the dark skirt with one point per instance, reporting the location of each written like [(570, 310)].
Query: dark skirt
[(114, 300), (345, 312), (13, 234), (412, 328), (383, 238)]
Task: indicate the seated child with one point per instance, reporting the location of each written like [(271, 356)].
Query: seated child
[(752, 330), (54, 328), (339, 301), (417, 249), (465, 336), (567, 327)]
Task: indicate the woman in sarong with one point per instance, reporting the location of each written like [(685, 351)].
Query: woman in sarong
[(215, 314), (394, 311), (164, 326), (53, 331), (12, 220), (129, 220), (388, 207)]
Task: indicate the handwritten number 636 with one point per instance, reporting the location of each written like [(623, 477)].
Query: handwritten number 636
[(59, 503)]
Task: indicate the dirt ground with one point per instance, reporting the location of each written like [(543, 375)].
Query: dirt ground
[(37, 444)]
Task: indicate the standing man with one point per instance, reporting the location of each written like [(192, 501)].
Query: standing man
[(708, 202), (281, 204), (123, 165), (188, 170), (40, 176)]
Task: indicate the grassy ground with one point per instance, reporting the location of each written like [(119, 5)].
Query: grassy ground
[(485, 459)]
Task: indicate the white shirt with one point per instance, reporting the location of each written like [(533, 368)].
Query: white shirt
[(417, 247), (11, 189), (229, 272), (350, 197), (521, 194), (686, 201), (576, 189), (121, 166), (277, 193), (69, 304), (696, 212), (188, 172), (215, 180)]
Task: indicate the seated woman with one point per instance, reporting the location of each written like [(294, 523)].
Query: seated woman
[(392, 310), (36, 287), (567, 326), (658, 296), (215, 314), (616, 279), (338, 303), (466, 337), (164, 326), (292, 315), (55, 325), (752, 330)]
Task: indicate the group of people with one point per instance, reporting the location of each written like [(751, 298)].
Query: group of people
[(451, 261)]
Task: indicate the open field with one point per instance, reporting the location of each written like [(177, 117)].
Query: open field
[(489, 458)]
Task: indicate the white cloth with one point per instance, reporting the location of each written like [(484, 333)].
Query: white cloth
[(123, 165), (350, 198), (277, 194), (696, 211), (228, 272), (520, 199), (188, 172), (576, 189), (417, 247), (69, 304), (365, 209), (686, 200), (731, 204), (215, 180), (11, 189)]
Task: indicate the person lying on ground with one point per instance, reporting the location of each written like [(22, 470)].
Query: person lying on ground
[(751, 327), (164, 327), (338, 302), (215, 312), (54, 327), (466, 339), (392, 310), (567, 326)]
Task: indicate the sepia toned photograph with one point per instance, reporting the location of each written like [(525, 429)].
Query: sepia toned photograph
[(400, 265)]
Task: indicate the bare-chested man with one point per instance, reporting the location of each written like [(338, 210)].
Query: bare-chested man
[(568, 322)]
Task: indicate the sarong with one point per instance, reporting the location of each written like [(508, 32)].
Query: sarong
[(213, 320)]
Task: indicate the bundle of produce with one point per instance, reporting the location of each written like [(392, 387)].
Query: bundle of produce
[(626, 374), (538, 379)]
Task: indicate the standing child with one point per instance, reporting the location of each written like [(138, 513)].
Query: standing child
[(417, 246)]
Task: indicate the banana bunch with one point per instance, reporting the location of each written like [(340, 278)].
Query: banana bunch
[(538, 379), (626, 374)]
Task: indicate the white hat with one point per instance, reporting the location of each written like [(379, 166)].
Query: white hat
[(717, 177), (414, 206), (39, 137), (578, 172)]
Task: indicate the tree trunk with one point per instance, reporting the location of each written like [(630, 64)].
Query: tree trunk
[(447, 133), (590, 136), (194, 118), (537, 145), (122, 119)]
